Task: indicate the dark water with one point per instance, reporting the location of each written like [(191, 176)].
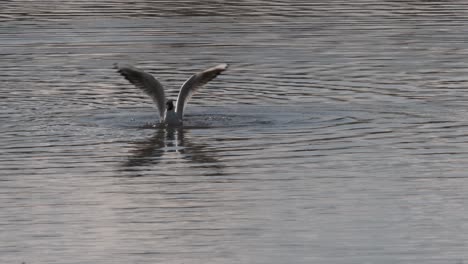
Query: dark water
[(339, 134)]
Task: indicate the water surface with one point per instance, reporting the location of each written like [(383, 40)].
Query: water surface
[(339, 133)]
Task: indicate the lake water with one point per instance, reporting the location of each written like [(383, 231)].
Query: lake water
[(339, 134)]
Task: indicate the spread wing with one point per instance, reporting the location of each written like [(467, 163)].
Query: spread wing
[(146, 82), (194, 83)]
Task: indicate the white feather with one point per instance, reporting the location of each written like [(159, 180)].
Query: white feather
[(193, 84)]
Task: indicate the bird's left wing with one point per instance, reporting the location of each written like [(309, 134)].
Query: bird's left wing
[(147, 83)]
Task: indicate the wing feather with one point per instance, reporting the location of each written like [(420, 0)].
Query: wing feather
[(194, 83), (145, 82)]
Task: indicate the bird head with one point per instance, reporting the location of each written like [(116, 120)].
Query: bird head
[(170, 105)]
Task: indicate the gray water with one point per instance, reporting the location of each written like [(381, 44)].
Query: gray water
[(339, 134)]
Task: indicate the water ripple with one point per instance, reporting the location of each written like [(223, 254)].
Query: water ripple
[(338, 134)]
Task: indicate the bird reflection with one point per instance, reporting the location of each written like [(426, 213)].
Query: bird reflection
[(168, 140)]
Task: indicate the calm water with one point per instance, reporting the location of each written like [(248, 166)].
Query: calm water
[(339, 134)]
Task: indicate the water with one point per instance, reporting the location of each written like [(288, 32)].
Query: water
[(339, 134)]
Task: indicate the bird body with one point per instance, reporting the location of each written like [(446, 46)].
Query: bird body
[(168, 114), (171, 118)]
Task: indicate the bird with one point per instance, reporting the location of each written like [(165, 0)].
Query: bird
[(169, 114)]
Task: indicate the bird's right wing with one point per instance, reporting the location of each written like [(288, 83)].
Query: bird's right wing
[(147, 83), (194, 83)]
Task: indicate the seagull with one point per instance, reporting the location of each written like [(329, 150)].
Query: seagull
[(168, 114)]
